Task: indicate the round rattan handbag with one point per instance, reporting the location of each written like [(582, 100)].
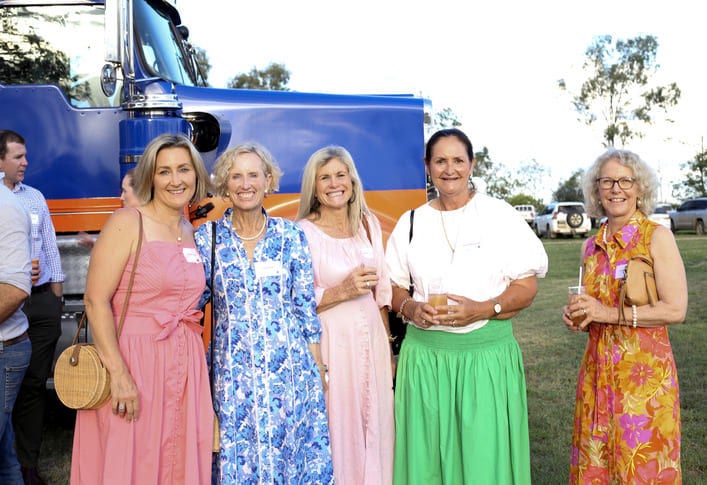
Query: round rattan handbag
[(80, 378)]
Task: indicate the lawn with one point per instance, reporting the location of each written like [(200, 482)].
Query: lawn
[(552, 356)]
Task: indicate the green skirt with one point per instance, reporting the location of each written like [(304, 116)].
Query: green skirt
[(461, 412)]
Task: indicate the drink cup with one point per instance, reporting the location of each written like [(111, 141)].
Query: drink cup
[(368, 258), (436, 296), (574, 292)]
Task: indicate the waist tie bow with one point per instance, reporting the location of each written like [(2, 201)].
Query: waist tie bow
[(170, 321)]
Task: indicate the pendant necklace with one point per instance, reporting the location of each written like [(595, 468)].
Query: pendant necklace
[(171, 230), (452, 248), (260, 232)]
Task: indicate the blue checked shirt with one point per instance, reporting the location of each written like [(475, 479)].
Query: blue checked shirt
[(44, 245)]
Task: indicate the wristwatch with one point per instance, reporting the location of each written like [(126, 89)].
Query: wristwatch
[(496, 306)]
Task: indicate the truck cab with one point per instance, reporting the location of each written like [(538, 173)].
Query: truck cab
[(88, 83)]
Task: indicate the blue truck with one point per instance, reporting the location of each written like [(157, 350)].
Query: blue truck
[(89, 83)]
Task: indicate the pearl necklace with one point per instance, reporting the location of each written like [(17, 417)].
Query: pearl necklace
[(260, 232)]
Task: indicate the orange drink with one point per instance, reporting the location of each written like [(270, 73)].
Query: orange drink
[(574, 292)]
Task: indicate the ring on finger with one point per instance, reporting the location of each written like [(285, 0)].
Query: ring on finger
[(584, 310), (121, 407), (368, 284), (454, 323)]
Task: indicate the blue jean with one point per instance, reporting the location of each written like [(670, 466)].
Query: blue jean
[(14, 361)]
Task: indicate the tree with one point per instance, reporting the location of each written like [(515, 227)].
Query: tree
[(27, 58), (273, 78), (569, 190), (202, 63), (525, 199), (695, 182), (619, 88)]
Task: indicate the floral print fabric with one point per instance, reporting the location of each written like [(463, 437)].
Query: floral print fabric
[(627, 415), (267, 390)]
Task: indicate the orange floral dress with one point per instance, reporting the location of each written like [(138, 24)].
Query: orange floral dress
[(627, 414)]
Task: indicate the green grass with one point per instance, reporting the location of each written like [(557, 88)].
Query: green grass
[(552, 356)]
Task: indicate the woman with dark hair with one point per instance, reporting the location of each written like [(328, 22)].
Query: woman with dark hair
[(353, 297), (627, 414), (460, 399), (158, 426)]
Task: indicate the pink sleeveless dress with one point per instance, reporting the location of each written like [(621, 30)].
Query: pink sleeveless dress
[(161, 343)]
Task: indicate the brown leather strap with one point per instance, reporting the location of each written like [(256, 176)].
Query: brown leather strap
[(132, 276), (74, 359)]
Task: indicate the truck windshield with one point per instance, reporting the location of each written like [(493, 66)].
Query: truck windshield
[(55, 44), (160, 45)]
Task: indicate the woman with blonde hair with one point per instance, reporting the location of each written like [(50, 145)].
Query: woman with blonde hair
[(267, 365), (353, 297), (157, 428)]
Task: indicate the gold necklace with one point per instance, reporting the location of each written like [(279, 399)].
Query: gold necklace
[(260, 232), (452, 248), (179, 225)]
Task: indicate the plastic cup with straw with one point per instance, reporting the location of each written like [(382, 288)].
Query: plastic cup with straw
[(574, 292)]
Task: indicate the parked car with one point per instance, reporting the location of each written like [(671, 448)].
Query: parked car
[(527, 211), (566, 218), (661, 215), (690, 215)]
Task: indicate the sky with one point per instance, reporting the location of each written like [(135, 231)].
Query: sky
[(495, 64)]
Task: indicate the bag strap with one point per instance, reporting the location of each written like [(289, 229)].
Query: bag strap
[(211, 301), (84, 319), (411, 288), (132, 276), (646, 258)]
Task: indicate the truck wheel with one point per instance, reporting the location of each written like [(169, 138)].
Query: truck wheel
[(549, 234), (575, 220), (700, 228)]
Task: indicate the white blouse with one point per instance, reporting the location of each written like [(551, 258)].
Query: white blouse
[(476, 250)]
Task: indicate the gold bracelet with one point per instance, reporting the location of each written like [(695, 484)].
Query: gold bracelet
[(392, 338)]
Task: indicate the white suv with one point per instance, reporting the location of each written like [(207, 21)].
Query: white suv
[(568, 218), (527, 211)]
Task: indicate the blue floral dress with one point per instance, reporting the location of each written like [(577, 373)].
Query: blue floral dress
[(267, 390)]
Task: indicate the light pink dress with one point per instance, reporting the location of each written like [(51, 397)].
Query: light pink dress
[(355, 346), (161, 343)]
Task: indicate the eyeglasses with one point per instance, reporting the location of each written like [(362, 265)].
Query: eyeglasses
[(608, 183)]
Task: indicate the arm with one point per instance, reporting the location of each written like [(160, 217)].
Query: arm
[(353, 286), (14, 260), (671, 283), (518, 295), (117, 241), (11, 298)]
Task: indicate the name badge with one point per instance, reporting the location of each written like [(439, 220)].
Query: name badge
[(265, 269), (191, 255), (34, 218), (620, 271)]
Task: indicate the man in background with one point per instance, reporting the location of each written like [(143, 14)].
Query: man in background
[(15, 346), (43, 308)]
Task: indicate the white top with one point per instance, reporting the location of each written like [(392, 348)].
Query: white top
[(492, 244)]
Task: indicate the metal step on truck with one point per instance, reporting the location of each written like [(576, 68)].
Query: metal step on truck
[(88, 83)]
